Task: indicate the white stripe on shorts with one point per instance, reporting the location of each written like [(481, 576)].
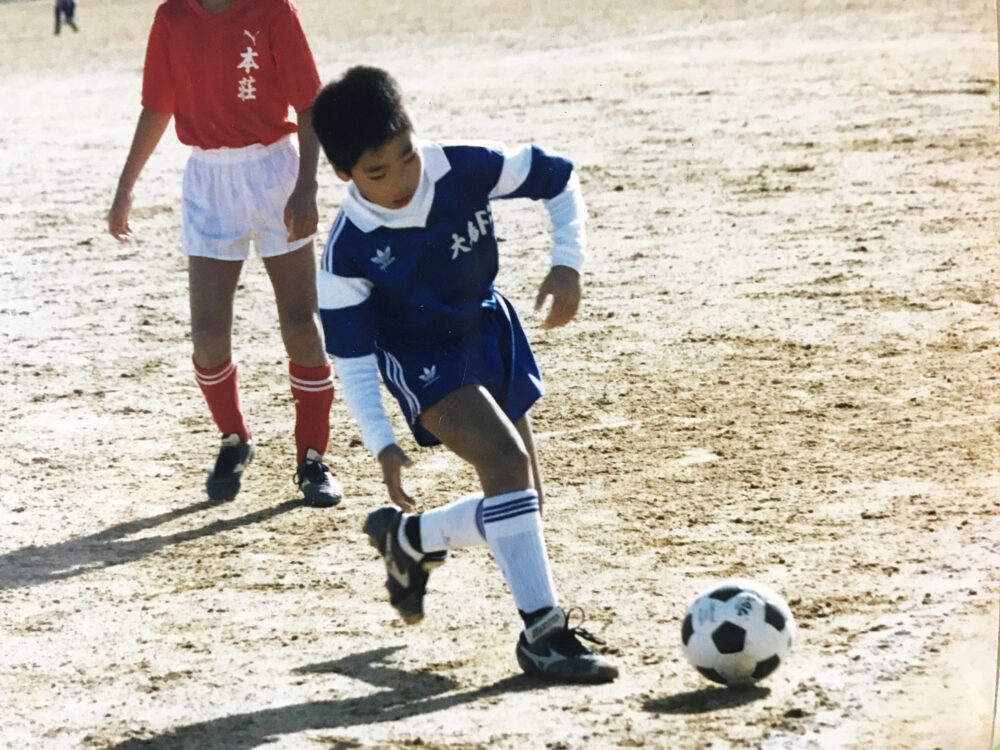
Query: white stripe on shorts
[(394, 371)]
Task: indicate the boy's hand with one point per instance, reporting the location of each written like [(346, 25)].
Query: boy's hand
[(121, 207), (563, 284), (301, 214), (393, 460)]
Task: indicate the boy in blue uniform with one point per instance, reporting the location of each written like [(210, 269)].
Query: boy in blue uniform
[(65, 9), (406, 290)]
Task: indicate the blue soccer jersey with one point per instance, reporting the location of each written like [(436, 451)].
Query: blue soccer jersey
[(422, 273), (420, 279)]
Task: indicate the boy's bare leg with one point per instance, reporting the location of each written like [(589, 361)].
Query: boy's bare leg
[(471, 424), (211, 290), (293, 277), (523, 426)]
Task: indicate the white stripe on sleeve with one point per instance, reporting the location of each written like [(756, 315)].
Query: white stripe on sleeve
[(516, 165), (359, 382), (335, 292), (569, 233)]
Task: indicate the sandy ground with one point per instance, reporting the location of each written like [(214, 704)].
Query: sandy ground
[(785, 368)]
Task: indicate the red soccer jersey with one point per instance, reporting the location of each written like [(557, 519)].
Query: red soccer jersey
[(229, 78)]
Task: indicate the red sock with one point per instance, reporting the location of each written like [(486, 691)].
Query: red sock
[(221, 390), (312, 389)]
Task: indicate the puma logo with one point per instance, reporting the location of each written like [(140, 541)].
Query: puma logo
[(253, 37)]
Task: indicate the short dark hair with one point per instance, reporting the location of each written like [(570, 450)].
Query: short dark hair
[(361, 110)]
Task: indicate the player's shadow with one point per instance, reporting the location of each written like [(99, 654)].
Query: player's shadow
[(30, 566), (706, 700), (406, 694)]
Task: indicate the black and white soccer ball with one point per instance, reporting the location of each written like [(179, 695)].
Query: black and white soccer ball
[(737, 632)]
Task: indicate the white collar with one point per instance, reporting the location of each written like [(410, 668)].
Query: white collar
[(368, 216)]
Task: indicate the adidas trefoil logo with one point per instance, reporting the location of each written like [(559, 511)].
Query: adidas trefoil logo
[(383, 258), (429, 375)]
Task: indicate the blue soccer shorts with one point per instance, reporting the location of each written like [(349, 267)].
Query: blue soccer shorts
[(496, 356)]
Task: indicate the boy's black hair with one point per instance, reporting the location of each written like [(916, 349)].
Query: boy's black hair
[(361, 110)]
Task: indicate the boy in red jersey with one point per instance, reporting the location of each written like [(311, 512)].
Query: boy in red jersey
[(228, 71)]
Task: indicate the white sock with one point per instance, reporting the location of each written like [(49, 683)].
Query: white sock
[(453, 525), (512, 526)]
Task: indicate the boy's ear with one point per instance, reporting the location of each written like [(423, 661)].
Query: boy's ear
[(342, 174)]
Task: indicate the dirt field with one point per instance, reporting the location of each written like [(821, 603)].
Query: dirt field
[(786, 368)]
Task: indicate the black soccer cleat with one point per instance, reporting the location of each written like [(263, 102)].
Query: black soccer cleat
[(318, 486), (549, 648), (224, 478), (407, 578)]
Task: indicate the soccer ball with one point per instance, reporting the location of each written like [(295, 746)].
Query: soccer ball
[(737, 632)]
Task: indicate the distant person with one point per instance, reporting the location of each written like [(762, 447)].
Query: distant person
[(406, 289), (65, 10), (228, 72)]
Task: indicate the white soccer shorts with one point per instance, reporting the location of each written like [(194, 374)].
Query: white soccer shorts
[(234, 196)]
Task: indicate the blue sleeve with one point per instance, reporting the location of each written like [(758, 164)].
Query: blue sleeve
[(546, 177), (345, 302), (476, 167), (349, 331), (526, 171)]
